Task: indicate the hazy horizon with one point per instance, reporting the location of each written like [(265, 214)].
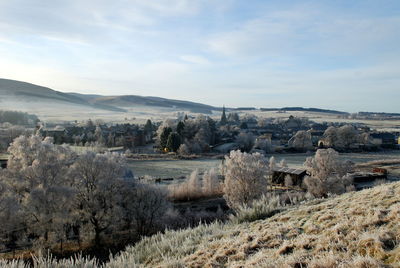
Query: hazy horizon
[(332, 55)]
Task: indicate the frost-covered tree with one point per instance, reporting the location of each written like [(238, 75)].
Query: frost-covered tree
[(347, 135), (327, 173), (272, 163), (283, 163), (211, 183), (98, 133), (340, 138), (143, 207), (233, 118), (330, 137), (11, 217), (245, 178), (183, 149), (263, 144), (38, 175), (246, 141), (97, 179), (301, 141)]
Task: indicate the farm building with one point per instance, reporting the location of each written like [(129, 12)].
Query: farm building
[(279, 174), (364, 180), (383, 139), (3, 160)]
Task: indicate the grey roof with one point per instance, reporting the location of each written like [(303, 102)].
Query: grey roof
[(295, 171)]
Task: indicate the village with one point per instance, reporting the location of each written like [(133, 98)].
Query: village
[(203, 137)]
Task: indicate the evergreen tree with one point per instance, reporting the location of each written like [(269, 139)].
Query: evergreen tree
[(148, 127), (173, 142), (180, 127), (164, 137)]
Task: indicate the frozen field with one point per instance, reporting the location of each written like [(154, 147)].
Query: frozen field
[(177, 168)]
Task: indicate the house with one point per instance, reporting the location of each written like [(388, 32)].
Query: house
[(383, 139), (316, 136), (57, 133), (265, 137), (279, 174)]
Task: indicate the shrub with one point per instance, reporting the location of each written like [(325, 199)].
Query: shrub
[(265, 207)]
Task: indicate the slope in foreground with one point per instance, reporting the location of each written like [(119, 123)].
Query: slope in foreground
[(360, 229)]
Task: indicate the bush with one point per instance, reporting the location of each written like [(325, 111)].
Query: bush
[(265, 207), (196, 187)]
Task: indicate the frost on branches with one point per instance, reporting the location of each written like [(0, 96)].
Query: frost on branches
[(245, 178), (328, 174)]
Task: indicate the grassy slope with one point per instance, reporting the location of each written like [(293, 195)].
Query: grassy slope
[(360, 229)]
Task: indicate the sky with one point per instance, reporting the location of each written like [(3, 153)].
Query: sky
[(334, 54)]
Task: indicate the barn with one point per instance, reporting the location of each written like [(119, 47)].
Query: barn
[(3, 160), (279, 174)]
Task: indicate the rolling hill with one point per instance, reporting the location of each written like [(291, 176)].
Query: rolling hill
[(34, 97)]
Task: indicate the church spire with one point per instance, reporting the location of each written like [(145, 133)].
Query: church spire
[(223, 117)]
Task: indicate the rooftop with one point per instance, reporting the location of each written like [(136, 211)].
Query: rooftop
[(295, 171), (3, 156)]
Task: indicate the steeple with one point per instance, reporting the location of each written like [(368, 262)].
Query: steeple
[(224, 121)]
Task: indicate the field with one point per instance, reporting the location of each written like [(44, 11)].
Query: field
[(178, 168)]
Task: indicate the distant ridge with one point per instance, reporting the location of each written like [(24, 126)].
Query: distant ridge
[(302, 109), (23, 92)]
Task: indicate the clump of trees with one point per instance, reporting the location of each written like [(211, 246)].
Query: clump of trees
[(9, 132), (55, 195), (327, 174), (18, 118), (193, 135), (343, 137)]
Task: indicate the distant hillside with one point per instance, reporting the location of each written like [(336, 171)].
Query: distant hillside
[(358, 229), (302, 109), (134, 100), (22, 92)]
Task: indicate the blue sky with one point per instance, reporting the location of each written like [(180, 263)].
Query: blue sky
[(333, 54)]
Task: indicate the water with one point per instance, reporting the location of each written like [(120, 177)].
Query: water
[(178, 168)]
